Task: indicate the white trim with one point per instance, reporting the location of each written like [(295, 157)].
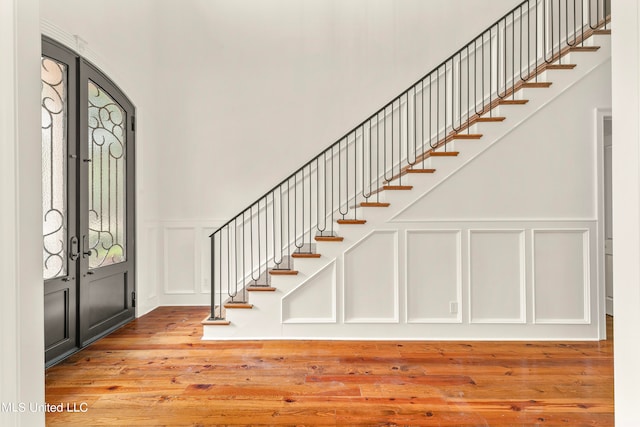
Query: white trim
[(496, 220), (9, 323), (600, 115)]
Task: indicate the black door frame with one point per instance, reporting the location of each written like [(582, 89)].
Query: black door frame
[(81, 327)]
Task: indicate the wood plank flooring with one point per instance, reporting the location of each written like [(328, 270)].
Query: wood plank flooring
[(157, 372)]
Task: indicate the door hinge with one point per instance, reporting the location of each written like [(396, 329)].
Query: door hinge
[(133, 299), (133, 123)]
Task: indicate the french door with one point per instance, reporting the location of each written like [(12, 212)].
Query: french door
[(88, 203)]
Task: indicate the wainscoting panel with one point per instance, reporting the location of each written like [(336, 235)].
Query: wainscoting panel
[(371, 279), (433, 276), (497, 276), (561, 276), (314, 301), (179, 255)]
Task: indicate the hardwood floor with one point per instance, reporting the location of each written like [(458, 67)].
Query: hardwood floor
[(157, 371)]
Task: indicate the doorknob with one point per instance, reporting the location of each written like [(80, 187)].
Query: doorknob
[(85, 243)]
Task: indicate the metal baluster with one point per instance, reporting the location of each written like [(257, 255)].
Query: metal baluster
[(212, 241)]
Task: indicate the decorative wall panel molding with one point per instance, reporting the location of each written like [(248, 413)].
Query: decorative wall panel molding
[(179, 252), (497, 285), (433, 276), (561, 271), (370, 279), (314, 300)]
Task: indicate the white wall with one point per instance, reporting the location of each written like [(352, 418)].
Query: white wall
[(626, 207), (21, 305)]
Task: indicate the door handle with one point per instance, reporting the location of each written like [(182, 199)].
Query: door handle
[(85, 243), (74, 249)]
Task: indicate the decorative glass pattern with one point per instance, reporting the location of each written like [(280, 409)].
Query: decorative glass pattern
[(54, 167), (107, 179)]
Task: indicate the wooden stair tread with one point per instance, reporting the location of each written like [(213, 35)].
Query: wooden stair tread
[(374, 204), (215, 322), (467, 136), (283, 272), (397, 187), (242, 305), (561, 66), (421, 170), (352, 221), (536, 84), (490, 119), (304, 255), (584, 48), (602, 32), (445, 153), (329, 238), (513, 101), (260, 289)]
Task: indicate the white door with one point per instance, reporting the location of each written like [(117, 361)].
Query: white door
[(608, 220)]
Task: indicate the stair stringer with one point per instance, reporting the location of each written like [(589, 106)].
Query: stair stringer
[(264, 321)]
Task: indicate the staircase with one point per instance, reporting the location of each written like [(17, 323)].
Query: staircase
[(324, 253)]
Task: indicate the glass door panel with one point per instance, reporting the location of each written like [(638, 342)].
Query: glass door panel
[(107, 179), (54, 168)]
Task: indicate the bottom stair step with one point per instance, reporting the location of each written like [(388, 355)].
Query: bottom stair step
[(243, 305), (217, 322)]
